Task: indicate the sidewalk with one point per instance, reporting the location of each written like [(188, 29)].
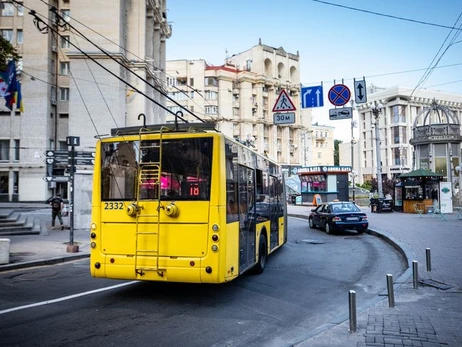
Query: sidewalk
[(426, 316)]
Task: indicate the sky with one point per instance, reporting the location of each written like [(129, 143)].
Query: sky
[(335, 43)]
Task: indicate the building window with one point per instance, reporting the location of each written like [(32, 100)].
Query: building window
[(7, 10), (174, 109), (211, 81), (66, 14), (171, 81), (8, 35), (20, 10), (64, 68), (211, 109), (191, 82), (5, 150), (16, 150), (248, 64), (319, 155), (62, 145), (64, 115), (65, 41), (19, 37), (210, 95), (64, 94)]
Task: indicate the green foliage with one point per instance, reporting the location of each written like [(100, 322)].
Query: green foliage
[(387, 186), (336, 152), (7, 52)]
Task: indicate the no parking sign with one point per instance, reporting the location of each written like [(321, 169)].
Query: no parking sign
[(339, 95)]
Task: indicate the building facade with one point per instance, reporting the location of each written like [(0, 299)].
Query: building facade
[(239, 97), (395, 122), (322, 144), (77, 81)]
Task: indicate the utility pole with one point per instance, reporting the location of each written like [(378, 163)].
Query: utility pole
[(376, 111), (353, 124)]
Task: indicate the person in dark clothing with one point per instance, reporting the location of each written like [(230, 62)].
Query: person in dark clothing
[(57, 205)]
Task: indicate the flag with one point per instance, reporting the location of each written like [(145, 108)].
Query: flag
[(12, 94)]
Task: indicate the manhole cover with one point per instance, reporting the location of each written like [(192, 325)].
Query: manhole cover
[(312, 242)]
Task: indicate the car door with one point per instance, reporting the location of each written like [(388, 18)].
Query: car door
[(323, 215), (319, 215)]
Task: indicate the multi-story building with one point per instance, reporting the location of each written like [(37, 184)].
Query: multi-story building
[(239, 97), (72, 87), (322, 145), (395, 121)]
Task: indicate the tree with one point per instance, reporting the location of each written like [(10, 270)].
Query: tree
[(7, 52), (336, 152), (387, 186)]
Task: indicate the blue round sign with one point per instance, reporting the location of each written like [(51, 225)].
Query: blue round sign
[(339, 95)]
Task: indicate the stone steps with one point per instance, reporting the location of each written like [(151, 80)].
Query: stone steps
[(18, 223)]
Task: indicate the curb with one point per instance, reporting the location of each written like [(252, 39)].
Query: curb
[(44, 262)]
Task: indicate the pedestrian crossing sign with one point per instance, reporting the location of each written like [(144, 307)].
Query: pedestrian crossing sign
[(283, 103)]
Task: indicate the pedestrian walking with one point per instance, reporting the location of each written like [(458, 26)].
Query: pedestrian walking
[(57, 205)]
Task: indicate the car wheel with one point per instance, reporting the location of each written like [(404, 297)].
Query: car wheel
[(262, 253), (328, 228), (311, 223)]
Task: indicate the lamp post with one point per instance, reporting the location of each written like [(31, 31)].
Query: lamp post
[(459, 170), (376, 111), (353, 124)]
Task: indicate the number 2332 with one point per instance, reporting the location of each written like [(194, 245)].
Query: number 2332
[(113, 205)]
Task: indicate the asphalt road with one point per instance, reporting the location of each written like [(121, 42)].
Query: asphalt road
[(304, 287)]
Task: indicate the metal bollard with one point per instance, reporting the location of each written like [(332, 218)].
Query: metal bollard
[(352, 306), (391, 294), (415, 273), (429, 259)]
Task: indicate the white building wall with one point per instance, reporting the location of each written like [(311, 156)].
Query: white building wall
[(412, 105)]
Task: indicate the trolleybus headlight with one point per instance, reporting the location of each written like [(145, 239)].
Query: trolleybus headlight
[(97, 265), (93, 226), (215, 248), (93, 245), (93, 235), (215, 237), (208, 269), (215, 227)]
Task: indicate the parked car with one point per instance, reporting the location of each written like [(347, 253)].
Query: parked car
[(339, 215)]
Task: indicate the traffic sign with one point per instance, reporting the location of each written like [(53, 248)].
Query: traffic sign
[(284, 118), (57, 153), (312, 97), (340, 113), (283, 103), (360, 92), (56, 179), (339, 95), (85, 154), (83, 161)]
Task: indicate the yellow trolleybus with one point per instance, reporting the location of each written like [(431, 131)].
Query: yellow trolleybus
[(183, 203)]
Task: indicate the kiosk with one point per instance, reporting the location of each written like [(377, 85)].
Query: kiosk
[(324, 183), (417, 191)]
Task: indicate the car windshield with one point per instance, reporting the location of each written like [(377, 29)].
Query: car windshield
[(342, 207)]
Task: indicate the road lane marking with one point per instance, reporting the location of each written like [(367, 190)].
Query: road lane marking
[(69, 297)]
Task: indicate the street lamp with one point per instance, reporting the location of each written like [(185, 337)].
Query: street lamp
[(459, 170), (376, 111)]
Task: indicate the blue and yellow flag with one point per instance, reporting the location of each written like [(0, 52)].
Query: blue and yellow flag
[(12, 93)]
